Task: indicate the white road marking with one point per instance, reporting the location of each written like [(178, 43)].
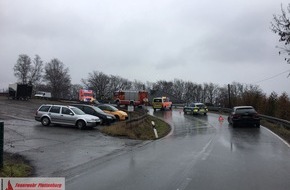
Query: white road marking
[(285, 142)]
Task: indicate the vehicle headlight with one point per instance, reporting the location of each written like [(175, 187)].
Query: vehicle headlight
[(93, 120)]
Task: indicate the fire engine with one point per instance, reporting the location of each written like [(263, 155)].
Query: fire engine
[(86, 95), (134, 98)]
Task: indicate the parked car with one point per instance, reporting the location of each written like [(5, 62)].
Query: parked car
[(244, 115), (65, 115), (120, 115), (161, 103), (195, 108), (105, 118)]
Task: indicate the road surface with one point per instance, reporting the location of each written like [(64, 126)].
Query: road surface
[(200, 153)]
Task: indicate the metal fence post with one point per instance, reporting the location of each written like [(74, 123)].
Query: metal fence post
[(1, 143)]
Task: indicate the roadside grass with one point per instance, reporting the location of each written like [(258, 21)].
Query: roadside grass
[(278, 129), (141, 131), (15, 166)]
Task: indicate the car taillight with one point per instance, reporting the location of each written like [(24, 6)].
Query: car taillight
[(256, 116), (236, 116)]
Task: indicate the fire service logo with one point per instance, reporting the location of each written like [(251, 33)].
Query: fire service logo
[(32, 183)]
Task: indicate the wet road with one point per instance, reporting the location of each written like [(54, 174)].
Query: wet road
[(200, 153), (55, 150)]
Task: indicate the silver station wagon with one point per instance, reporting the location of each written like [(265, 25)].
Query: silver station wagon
[(65, 115)]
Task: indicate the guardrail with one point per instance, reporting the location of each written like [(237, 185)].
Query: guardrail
[(281, 122), (137, 120)]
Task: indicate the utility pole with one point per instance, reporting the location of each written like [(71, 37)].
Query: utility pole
[(229, 93)]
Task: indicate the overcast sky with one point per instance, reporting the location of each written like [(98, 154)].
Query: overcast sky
[(148, 40)]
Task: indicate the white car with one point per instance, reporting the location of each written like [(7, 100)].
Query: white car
[(65, 115)]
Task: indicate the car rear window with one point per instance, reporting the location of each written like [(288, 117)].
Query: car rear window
[(197, 105), (245, 110), (44, 108)]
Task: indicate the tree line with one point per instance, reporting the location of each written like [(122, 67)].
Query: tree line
[(54, 77)]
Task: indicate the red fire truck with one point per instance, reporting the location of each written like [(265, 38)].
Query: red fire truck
[(86, 95), (135, 98)]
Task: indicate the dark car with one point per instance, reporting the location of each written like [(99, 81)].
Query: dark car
[(93, 110), (244, 116)]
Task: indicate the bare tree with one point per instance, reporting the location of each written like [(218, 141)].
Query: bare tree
[(99, 82), (119, 83), (57, 78), (22, 68), (281, 26), (164, 86), (192, 92), (271, 104), (210, 92), (283, 106), (74, 91), (36, 69), (138, 85), (178, 88)]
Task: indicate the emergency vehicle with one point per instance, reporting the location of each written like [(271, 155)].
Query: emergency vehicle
[(86, 95), (161, 103), (135, 98)]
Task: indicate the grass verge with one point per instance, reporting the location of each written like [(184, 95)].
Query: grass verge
[(15, 166), (141, 131)]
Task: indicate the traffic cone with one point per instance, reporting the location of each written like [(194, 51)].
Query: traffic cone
[(221, 118)]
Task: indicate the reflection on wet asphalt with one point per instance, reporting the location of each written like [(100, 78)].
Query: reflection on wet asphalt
[(200, 153)]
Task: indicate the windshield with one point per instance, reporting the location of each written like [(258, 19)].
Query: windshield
[(113, 108), (98, 109)]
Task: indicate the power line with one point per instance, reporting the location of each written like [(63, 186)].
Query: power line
[(272, 77)]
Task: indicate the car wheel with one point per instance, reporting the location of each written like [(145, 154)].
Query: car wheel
[(204, 113), (45, 121), (81, 124), (229, 120), (154, 109), (117, 117), (257, 125)]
